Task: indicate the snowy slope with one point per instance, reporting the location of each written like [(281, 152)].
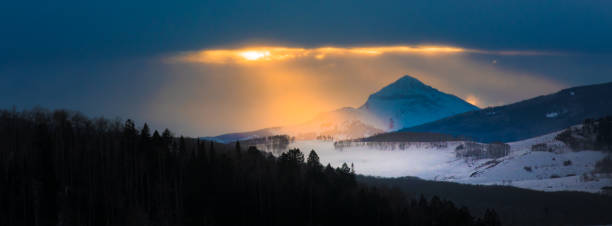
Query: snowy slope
[(439, 161), (408, 102), (562, 169)]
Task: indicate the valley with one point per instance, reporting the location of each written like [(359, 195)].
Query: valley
[(560, 169)]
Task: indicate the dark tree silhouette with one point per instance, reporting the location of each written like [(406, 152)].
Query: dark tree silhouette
[(313, 161), (60, 168)]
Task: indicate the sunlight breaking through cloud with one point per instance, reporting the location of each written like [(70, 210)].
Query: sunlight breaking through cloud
[(280, 53), (281, 85), (276, 53)]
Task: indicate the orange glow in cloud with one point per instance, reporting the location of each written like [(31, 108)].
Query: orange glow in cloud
[(278, 53), (255, 55), (242, 89)]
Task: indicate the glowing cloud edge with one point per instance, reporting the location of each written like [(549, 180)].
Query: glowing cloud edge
[(247, 55)]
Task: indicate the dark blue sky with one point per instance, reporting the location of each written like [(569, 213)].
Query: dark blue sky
[(45, 30), (101, 57)]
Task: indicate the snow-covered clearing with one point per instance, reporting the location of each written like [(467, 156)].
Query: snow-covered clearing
[(561, 169)]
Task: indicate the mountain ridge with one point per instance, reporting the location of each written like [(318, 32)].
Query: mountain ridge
[(527, 118)]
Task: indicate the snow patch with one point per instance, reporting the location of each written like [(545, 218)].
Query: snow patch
[(552, 114)]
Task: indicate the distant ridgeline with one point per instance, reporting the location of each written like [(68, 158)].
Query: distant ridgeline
[(412, 137), (61, 168), (529, 118)]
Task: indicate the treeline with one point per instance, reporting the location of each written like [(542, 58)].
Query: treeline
[(61, 168), (604, 165), (275, 144), (389, 146), (400, 141), (475, 150), (594, 134), (325, 137), (404, 136)]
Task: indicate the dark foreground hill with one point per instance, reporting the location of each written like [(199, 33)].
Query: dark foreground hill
[(61, 168), (515, 206), (528, 118)]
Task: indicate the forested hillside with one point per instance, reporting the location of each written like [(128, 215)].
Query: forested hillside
[(515, 206), (62, 168), (594, 134)]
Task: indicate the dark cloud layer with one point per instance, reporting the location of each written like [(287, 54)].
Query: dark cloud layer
[(48, 29)]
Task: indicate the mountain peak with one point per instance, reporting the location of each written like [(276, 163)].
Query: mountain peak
[(407, 82), (403, 87), (407, 79), (408, 102)]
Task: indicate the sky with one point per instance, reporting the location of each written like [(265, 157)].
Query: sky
[(208, 67)]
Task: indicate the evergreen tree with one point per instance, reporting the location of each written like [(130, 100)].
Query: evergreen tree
[(491, 218), (238, 149), (345, 169), (145, 132), (167, 136), (156, 137), (130, 129), (313, 160), (182, 146)]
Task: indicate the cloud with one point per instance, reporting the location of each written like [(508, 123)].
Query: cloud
[(281, 53)]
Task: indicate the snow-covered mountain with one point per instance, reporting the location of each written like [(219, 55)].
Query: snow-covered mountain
[(405, 102), (408, 102)]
